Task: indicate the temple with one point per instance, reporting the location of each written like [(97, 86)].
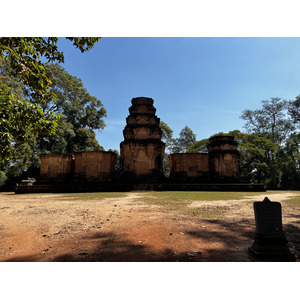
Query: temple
[(219, 165), (142, 150), (142, 154)]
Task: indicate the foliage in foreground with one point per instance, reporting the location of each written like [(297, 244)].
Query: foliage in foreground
[(23, 63), (79, 115)]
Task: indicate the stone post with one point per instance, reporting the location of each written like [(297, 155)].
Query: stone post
[(270, 242)]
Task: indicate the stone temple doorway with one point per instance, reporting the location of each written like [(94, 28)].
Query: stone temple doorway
[(142, 163)]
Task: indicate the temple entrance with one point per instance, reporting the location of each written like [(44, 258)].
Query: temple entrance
[(142, 163)]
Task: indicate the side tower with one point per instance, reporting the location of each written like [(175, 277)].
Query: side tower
[(224, 159), (142, 150)]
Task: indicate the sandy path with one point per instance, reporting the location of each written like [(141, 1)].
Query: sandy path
[(48, 227)]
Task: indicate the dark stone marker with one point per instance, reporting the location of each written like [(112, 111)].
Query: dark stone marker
[(270, 242)]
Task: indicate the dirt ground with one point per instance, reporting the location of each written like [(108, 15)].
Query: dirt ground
[(55, 228)]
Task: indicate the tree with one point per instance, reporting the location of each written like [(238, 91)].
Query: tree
[(118, 164), (20, 119), (167, 135), (80, 114), (167, 138), (178, 145), (24, 58), (17, 167), (256, 157), (186, 139), (290, 169), (23, 63), (294, 110), (199, 146), (271, 123)]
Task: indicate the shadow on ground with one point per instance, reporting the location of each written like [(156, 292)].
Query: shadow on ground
[(229, 243), (112, 247)]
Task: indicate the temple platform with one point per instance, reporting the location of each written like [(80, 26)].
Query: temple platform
[(125, 187)]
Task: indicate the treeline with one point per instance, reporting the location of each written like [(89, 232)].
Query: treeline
[(269, 145), (44, 109)]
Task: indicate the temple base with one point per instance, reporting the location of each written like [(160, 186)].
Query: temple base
[(125, 187)]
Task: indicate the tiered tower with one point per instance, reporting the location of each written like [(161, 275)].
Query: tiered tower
[(142, 150)]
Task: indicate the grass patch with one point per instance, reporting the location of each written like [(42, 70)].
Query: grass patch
[(179, 201), (207, 196), (93, 196), (74, 196), (294, 201), (204, 212), (167, 202)]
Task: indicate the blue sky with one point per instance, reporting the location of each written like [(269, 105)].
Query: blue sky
[(204, 83)]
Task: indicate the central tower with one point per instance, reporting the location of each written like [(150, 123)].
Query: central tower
[(142, 150)]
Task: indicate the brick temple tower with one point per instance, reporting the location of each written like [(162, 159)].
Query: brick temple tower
[(142, 150), (224, 159)]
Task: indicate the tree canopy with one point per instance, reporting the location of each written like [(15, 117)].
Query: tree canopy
[(21, 63), (294, 110), (272, 125), (185, 140), (167, 135), (24, 56), (270, 121), (80, 114), (42, 107), (199, 146), (19, 119)]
